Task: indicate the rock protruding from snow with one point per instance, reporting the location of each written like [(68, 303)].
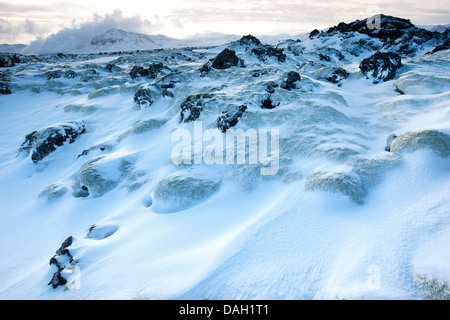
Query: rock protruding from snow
[(230, 117), (62, 260), (9, 60), (443, 46), (43, 142), (191, 107), (338, 75), (249, 40), (267, 103), (226, 59), (100, 232), (291, 80), (155, 69), (434, 140), (382, 66), (4, 88), (138, 71), (266, 51), (144, 97)]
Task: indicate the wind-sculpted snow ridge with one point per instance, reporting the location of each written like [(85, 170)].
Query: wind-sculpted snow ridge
[(314, 168)]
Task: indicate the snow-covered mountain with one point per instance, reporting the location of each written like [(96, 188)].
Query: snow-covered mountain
[(12, 48), (73, 41), (120, 177), (119, 40)]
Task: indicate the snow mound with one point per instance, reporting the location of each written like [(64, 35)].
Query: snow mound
[(182, 190), (434, 140)]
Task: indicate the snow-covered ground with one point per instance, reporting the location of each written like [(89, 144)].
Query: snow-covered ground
[(342, 218)]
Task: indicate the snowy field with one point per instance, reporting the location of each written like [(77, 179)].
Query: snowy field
[(86, 154)]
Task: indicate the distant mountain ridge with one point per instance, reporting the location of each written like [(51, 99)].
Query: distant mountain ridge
[(77, 41), (12, 48)]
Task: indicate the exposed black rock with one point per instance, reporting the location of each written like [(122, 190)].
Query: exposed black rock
[(264, 52), (382, 66), (314, 33), (324, 57), (4, 88), (53, 74), (338, 75), (155, 69), (226, 59), (111, 67), (9, 60), (291, 80), (268, 103), (169, 85), (230, 117), (271, 87), (88, 75), (396, 33), (191, 108), (43, 142), (70, 74), (138, 71), (57, 280), (62, 260), (444, 46), (144, 97), (249, 40), (259, 73), (167, 94), (205, 69)]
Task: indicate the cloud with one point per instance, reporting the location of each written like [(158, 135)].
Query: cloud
[(72, 38), (14, 31)]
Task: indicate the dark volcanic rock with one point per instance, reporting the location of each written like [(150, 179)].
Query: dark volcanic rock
[(338, 75), (249, 40), (291, 80), (314, 33), (4, 88), (226, 59), (143, 97), (395, 33), (268, 103), (155, 69), (191, 108), (324, 57), (8, 60), (167, 94), (265, 52), (137, 72), (382, 66), (62, 260), (53, 74), (271, 87), (444, 46), (112, 67), (43, 142), (70, 74), (230, 117)]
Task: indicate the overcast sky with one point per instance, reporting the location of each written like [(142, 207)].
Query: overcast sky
[(22, 21)]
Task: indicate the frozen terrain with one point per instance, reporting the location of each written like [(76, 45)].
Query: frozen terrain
[(92, 205)]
